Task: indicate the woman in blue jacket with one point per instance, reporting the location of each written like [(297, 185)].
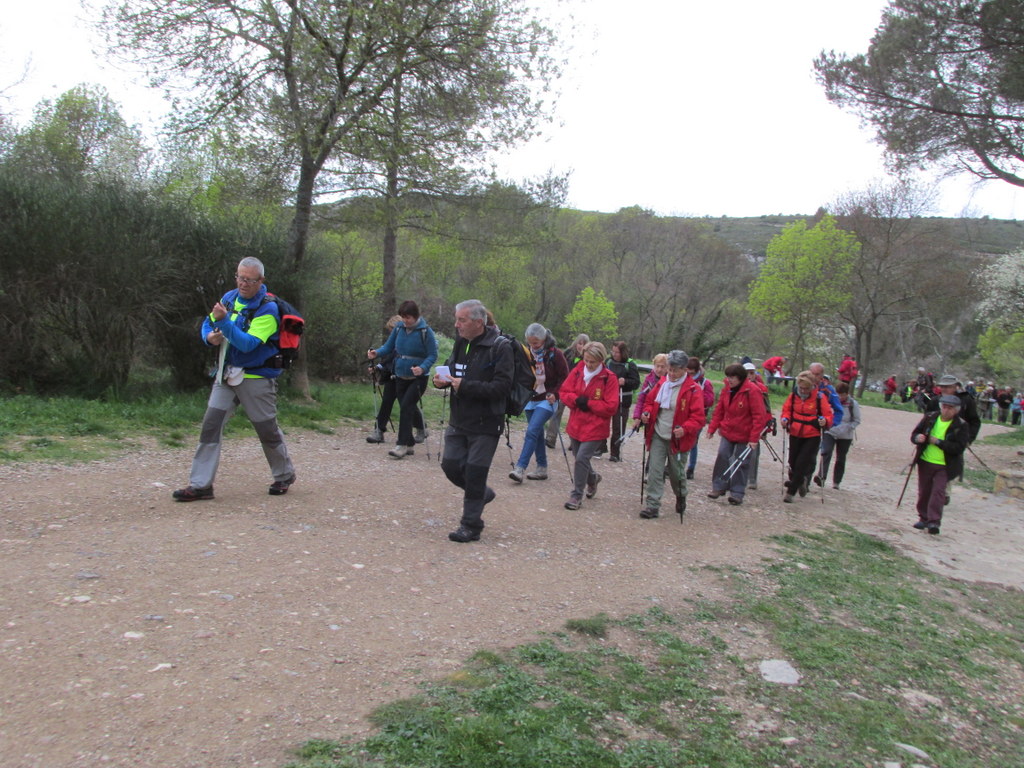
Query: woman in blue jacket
[(415, 351)]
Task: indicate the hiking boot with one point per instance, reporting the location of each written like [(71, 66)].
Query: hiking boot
[(934, 529), (734, 501), (614, 458), (516, 475), (680, 505), (400, 451), (420, 436), (592, 488), (920, 525), (193, 494), (574, 502), (716, 494), (689, 474), (489, 495), (751, 486), (549, 442), (648, 514), (817, 481), (788, 498), (803, 489), (540, 473), (464, 535), (835, 486), (376, 436), (280, 487)]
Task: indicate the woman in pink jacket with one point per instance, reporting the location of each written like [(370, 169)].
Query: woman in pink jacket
[(592, 394), (740, 416)]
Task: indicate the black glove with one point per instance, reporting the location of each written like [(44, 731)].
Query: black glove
[(582, 403)]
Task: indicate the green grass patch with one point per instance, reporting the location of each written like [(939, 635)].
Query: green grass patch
[(888, 652)]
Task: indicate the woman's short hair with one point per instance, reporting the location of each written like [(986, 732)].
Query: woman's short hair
[(393, 321), (622, 348), (807, 379), (842, 388), (678, 359), (536, 331), (581, 337), (595, 349), (737, 370), (408, 308), (693, 364), (661, 357)]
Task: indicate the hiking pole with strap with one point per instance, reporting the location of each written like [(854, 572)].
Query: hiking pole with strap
[(626, 436), (444, 407), (821, 476)]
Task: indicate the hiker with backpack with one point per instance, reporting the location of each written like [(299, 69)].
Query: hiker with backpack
[(382, 373), (415, 350), (805, 415), (550, 370), (480, 375), (591, 393), (839, 439), (245, 326)]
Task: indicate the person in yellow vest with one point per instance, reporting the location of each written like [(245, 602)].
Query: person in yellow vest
[(941, 439)]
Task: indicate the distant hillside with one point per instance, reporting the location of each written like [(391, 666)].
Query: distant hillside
[(986, 236)]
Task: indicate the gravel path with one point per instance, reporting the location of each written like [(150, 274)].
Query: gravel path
[(142, 632)]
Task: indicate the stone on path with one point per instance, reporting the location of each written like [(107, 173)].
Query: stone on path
[(779, 671)]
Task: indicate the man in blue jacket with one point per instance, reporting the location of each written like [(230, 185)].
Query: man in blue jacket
[(244, 325)]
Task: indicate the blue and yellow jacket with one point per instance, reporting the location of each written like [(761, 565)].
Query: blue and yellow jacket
[(248, 349)]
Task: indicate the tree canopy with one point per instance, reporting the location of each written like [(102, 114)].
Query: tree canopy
[(942, 82)]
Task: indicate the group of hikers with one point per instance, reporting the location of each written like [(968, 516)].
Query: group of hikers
[(671, 410)]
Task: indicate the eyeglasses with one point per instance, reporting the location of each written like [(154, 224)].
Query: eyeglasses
[(248, 280)]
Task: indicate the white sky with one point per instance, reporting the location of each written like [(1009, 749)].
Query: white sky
[(684, 107)]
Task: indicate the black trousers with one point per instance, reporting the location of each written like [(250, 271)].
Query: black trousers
[(803, 455)]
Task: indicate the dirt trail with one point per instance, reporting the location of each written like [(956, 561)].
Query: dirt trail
[(138, 631)]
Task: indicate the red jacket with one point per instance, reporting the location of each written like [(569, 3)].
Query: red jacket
[(773, 364), (890, 385), (740, 417), (803, 414), (689, 414), (848, 370), (602, 400)]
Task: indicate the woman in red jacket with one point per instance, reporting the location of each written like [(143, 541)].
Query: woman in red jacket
[(805, 415), (740, 416), (592, 393), (674, 415)]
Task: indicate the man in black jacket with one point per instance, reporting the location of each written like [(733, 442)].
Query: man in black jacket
[(941, 439), (481, 368)]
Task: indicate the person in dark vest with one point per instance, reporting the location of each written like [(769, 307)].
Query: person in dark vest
[(941, 438)]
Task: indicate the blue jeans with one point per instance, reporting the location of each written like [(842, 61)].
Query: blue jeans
[(537, 415)]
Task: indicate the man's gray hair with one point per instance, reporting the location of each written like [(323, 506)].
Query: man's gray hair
[(536, 331), (252, 261), (477, 310), (678, 359)]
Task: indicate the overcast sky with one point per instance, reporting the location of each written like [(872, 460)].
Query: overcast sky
[(683, 107)]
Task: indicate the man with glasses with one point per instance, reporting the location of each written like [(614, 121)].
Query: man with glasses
[(244, 326)]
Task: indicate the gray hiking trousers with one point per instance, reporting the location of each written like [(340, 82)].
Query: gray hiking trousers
[(259, 399)]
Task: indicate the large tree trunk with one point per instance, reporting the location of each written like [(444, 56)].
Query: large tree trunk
[(298, 234)]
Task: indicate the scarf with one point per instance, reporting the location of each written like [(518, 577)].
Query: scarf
[(669, 390)]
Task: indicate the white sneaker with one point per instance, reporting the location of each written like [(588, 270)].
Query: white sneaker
[(399, 451), (540, 473), (516, 474)]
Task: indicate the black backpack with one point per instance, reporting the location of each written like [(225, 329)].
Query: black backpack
[(289, 330), (524, 380)]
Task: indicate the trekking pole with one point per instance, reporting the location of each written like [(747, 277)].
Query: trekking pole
[(508, 440), (444, 407), (564, 453), (736, 463), (910, 471), (821, 475), (626, 436), (643, 470), (986, 466), (681, 469)]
